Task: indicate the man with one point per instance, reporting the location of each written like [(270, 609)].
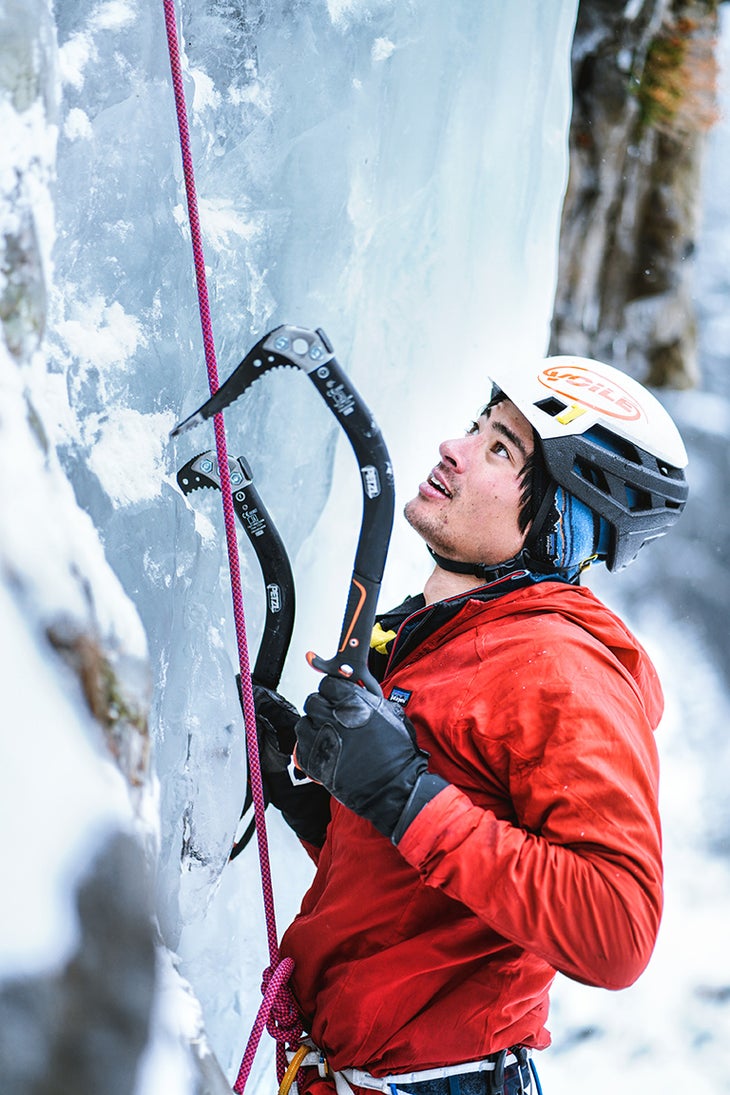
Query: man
[(493, 818)]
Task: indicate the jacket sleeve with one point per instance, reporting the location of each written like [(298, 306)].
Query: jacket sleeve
[(573, 873)]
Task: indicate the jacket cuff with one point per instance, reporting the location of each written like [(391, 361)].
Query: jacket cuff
[(426, 788), (417, 843)]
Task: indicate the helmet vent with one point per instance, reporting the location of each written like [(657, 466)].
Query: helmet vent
[(638, 500), (551, 406), (588, 471), (611, 441)]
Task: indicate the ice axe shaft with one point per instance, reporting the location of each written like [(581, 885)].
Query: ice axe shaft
[(202, 472)]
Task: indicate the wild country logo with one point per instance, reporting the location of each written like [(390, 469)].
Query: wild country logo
[(590, 389)]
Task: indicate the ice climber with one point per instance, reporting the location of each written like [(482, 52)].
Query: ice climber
[(493, 818)]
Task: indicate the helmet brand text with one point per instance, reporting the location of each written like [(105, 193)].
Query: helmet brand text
[(588, 388)]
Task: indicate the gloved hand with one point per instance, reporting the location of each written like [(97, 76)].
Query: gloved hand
[(304, 806), (363, 750), (275, 722)]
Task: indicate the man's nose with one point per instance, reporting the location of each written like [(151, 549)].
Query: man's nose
[(454, 452)]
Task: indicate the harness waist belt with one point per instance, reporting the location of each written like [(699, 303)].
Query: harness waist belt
[(383, 1083), (386, 1084)]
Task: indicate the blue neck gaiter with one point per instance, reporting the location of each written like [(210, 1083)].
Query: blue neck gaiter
[(574, 537)]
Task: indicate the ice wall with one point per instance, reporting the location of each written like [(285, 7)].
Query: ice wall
[(390, 172)]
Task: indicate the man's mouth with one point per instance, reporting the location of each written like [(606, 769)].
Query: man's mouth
[(440, 486)]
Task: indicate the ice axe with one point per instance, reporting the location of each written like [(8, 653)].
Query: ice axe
[(312, 352), (202, 472)]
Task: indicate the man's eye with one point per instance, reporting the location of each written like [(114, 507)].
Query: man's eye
[(473, 428), (500, 449)]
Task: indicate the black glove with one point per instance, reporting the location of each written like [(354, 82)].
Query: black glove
[(363, 750), (275, 722), (304, 805)]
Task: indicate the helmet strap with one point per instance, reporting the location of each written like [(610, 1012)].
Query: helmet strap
[(537, 525), (484, 571), (491, 572)]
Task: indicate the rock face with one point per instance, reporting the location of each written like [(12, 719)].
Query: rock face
[(644, 80), (84, 1029)]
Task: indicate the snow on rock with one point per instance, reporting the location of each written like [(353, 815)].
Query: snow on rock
[(60, 798)]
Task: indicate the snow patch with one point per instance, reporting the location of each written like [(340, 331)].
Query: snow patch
[(176, 1024), (205, 96), (129, 454), (257, 93), (47, 543), (221, 221), (77, 125), (339, 10), (113, 15), (101, 334), (205, 528), (344, 13), (73, 57), (382, 49)]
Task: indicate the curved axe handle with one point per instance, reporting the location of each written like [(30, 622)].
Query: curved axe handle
[(202, 471)]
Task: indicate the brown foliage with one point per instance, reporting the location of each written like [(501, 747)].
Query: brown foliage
[(677, 89)]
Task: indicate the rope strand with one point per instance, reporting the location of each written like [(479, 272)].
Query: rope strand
[(280, 972)]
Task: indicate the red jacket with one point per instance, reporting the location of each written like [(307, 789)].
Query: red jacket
[(544, 854)]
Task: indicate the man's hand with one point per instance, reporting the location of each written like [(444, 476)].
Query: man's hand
[(363, 750), (275, 722), (304, 806)]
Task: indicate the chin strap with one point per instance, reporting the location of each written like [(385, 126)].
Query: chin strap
[(521, 561), (484, 571)]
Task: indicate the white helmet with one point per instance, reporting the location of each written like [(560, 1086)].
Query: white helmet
[(606, 440)]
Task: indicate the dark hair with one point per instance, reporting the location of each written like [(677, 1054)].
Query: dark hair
[(534, 474)]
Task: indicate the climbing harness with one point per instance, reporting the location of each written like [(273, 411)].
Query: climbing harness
[(448, 1077), (277, 1009), (312, 352), (202, 472)]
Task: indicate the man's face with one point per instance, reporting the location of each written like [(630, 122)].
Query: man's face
[(468, 507)]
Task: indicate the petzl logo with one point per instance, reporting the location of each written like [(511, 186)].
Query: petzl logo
[(590, 389), (371, 480), (274, 593)]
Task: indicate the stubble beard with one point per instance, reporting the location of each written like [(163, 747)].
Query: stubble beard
[(427, 527)]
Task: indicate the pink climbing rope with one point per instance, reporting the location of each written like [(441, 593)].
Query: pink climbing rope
[(277, 1009)]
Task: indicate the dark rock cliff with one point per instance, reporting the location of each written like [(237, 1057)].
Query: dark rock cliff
[(644, 97)]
